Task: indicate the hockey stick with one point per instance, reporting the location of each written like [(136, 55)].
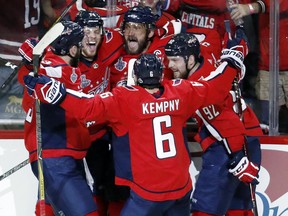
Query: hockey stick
[(56, 29), (45, 41), (240, 113), (245, 147), (38, 50), (65, 11), (14, 169), (14, 67)]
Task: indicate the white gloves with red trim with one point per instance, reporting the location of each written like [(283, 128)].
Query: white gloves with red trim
[(235, 50), (26, 49), (47, 90), (245, 170)]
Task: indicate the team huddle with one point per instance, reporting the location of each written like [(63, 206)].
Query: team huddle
[(118, 100)]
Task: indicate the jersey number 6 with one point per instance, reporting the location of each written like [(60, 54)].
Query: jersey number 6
[(162, 139)]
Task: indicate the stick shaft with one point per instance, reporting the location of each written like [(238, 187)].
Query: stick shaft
[(65, 11), (36, 62), (14, 169), (12, 75), (246, 152)]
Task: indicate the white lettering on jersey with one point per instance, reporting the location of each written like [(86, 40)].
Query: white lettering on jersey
[(31, 20), (160, 107), (198, 20)]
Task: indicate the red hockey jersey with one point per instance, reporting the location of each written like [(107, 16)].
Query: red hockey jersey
[(95, 76), (217, 121), (209, 14), (62, 134), (149, 132)]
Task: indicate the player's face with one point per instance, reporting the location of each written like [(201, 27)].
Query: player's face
[(136, 37), (91, 41), (178, 66)]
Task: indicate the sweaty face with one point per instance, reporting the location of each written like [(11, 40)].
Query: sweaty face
[(91, 41), (136, 37), (178, 65)]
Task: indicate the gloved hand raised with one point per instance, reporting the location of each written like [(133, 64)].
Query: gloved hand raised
[(235, 50), (26, 49), (47, 90), (240, 41), (245, 170)]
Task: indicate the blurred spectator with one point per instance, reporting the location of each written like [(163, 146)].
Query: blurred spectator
[(17, 24), (110, 13), (209, 14), (128, 3), (262, 86), (50, 11)]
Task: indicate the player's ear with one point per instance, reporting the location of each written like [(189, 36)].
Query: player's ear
[(73, 50), (151, 33), (191, 60)]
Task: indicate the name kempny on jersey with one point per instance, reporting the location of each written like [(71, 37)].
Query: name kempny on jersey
[(160, 106)]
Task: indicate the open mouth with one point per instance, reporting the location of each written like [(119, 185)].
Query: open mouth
[(91, 46), (132, 43)]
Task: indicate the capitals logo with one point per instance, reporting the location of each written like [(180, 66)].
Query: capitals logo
[(272, 191)]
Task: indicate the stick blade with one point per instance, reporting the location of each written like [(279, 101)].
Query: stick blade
[(48, 38)]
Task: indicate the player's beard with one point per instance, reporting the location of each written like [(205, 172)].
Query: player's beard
[(142, 45)]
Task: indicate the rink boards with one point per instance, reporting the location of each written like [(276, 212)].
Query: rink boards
[(18, 191)]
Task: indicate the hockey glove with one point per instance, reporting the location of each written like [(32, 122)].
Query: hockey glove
[(235, 59), (243, 169), (26, 49), (240, 41), (47, 90), (235, 50)]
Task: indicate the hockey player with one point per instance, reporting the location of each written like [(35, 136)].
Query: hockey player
[(139, 37), (160, 113), (165, 23), (221, 135), (100, 47), (148, 122), (64, 139)]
